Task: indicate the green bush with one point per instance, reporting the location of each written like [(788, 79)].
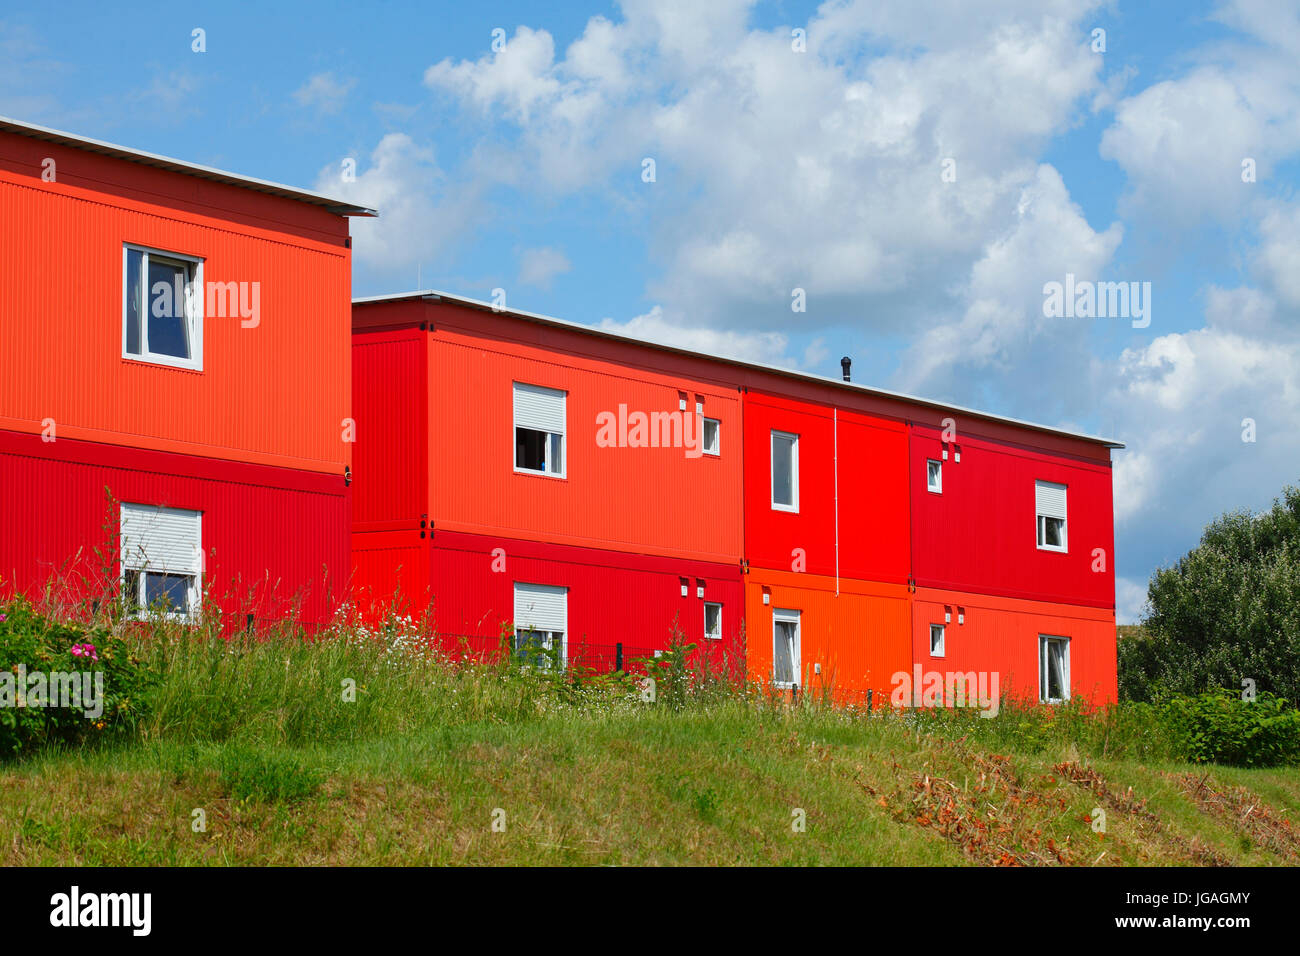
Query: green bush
[(1220, 727), (33, 704)]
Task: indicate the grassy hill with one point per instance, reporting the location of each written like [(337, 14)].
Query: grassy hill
[(431, 754)]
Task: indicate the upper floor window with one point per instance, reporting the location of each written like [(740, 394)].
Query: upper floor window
[(539, 430), (162, 307), (1049, 503), (710, 436), (934, 476), (785, 471), (936, 640)]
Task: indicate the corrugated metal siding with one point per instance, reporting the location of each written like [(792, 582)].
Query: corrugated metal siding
[(612, 597), (872, 510), (275, 394), (273, 539), (1001, 634), (389, 404), (979, 535), (390, 574), (645, 500), (860, 637)]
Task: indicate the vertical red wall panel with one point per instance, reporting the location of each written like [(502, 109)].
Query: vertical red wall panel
[(390, 574), (612, 597), (275, 540), (390, 408), (872, 491), (979, 534)]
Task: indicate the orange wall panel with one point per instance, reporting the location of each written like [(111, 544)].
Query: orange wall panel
[(1001, 634), (274, 394), (647, 500), (859, 637)]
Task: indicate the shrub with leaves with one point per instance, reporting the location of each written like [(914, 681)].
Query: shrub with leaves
[(1220, 727), (1227, 611), (32, 645)]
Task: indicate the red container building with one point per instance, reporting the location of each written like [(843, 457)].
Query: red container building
[(175, 338)]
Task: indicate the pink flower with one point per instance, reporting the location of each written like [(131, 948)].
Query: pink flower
[(3, 618), (84, 650)]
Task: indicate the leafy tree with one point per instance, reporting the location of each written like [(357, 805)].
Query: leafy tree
[(1227, 611)]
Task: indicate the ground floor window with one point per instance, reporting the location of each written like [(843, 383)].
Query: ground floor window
[(1053, 669), (785, 647), (541, 622), (162, 560)]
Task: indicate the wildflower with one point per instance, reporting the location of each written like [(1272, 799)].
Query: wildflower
[(3, 618)]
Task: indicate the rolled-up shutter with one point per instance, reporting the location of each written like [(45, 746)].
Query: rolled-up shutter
[(161, 539), (542, 607), (1049, 499), (539, 408)]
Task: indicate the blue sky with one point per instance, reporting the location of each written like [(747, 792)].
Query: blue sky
[(520, 167)]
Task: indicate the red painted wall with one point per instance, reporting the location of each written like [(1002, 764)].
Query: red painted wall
[(390, 405), (274, 539), (980, 535), (613, 597), (1001, 634), (872, 491)]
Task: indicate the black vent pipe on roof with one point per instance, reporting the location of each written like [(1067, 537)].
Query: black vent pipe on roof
[(845, 364)]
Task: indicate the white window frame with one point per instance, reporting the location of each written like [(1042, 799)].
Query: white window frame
[(943, 634), (795, 617), (794, 471), (132, 564), (716, 449), (1041, 519), (563, 471), (707, 633), (547, 636), (1044, 641), (935, 487), (194, 305)]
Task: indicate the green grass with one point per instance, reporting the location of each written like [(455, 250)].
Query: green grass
[(257, 740)]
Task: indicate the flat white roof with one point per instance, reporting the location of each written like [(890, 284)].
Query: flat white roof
[(435, 295), (337, 206)]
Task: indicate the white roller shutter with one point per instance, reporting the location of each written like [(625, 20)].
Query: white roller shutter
[(1049, 499), (161, 539), (539, 408), (543, 607)]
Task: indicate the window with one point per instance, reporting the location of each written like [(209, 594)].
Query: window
[(785, 648), (541, 620), (162, 307), (713, 621), (162, 561), (539, 430), (936, 640), (934, 476), (709, 439), (1053, 669), (1049, 503), (785, 471)]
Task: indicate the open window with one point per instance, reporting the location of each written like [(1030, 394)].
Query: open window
[(1053, 669), (785, 471), (1049, 504), (541, 621), (162, 307), (785, 648), (712, 621), (710, 436), (539, 430), (936, 639), (934, 476), (162, 561)]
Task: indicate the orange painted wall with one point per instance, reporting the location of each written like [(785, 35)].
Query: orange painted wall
[(1002, 634), (275, 394), (653, 501), (860, 636)]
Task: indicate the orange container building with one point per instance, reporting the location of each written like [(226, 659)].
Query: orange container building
[(158, 307)]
